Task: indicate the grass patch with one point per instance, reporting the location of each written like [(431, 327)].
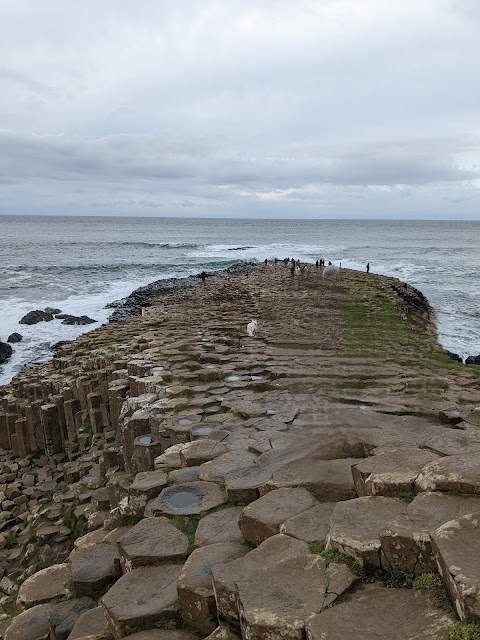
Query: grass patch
[(11, 609), (330, 555), (187, 525), (407, 494), (464, 631), (431, 583), (10, 539), (123, 520), (437, 452)]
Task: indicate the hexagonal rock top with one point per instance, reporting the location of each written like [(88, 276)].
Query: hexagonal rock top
[(311, 525), (94, 567), (44, 586), (356, 525), (390, 469), (146, 486), (189, 498), (151, 541), (92, 622), (381, 613), (276, 602), (220, 526), (198, 451), (163, 634), (64, 616), (141, 598), (31, 624), (195, 591), (455, 547), (266, 555), (406, 542), (215, 470), (262, 518), (453, 473)]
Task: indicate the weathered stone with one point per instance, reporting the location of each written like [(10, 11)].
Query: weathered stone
[(90, 623), (150, 542), (406, 542), (44, 586), (195, 591), (141, 598), (215, 470), (279, 547), (187, 474), (243, 485), (262, 518), (198, 451), (356, 526), (64, 615), (453, 473), (390, 470), (93, 568), (146, 486), (384, 614), (311, 525), (31, 624), (276, 602), (186, 499), (163, 634), (219, 526)]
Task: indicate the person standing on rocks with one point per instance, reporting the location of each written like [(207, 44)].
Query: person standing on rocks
[(292, 270), (203, 275), (368, 267)]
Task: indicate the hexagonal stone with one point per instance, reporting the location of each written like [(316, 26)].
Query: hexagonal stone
[(90, 623), (31, 624), (453, 473), (44, 586), (146, 486), (88, 539), (262, 518), (381, 613), (330, 479), (187, 474), (219, 526), (356, 526), (141, 598), (311, 525), (390, 470), (150, 542), (215, 470), (64, 615), (225, 576), (94, 568), (276, 602), (406, 542), (198, 451), (455, 548), (195, 591), (243, 485), (186, 499)]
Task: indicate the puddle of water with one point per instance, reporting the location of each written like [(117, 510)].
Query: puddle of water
[(202, 430), (158, 368), (270, 412), (184, 421), (86, 479), (210, 366), (233, 378), (297, 422), (145, 440), (182, 498), (257, 378)]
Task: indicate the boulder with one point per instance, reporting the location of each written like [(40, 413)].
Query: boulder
[(219, 526), (276, 602), (31, 624), (52, 311), (455, 549), (14, 337), (150, 542), (93, 568), (44, 586), (64, 615), (384, 614), (5, 352), (189, 498), (356, 526), (142, 598), (90, 623), (33, 317), (472, 360), (311, 525), (263, 517), (459, 473), (195, 590), (74, 320)]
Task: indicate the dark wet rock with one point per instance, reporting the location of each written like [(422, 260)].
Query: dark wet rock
[(385, 614), (74, 320), (454, 356), (5, 352), (31, 624), (15, 337), (34, 317), (64, 615), (472, 360), (58, 345), (52, 311)]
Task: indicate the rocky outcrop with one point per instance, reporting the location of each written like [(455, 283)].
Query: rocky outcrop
[(472, 360), (34, 317), (74, 320), (5, 352), (14, 337)]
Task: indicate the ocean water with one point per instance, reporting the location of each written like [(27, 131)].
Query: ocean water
[(79, 264)]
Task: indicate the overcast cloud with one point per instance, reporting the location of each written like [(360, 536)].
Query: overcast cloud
[(269, 108)]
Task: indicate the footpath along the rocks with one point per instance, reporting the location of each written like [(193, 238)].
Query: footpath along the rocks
[(169, 478)]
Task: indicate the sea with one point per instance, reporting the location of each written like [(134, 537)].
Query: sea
[(79, 264)]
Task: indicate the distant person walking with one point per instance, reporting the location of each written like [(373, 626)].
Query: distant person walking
[(266, 261), (292, 270), (368, 267), (203, 275)]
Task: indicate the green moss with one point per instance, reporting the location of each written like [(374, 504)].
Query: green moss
[(464, 631), (124, 520), (188, 526), (432, 584), (330, 555)]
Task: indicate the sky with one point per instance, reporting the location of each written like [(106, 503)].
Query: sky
[(240, 108)]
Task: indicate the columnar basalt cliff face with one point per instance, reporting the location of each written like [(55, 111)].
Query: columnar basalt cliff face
[(213, 482)]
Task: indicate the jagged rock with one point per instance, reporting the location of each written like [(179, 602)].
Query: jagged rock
[(219, 526), (266, 555), (150, 542), (64, 615), (93, 568), (5, 352), (52, 310), (195, 591), (44, 586), (14, 337), (33, 317), (276, 602), (262, 518), (92, 622), (186, 499), (385, 614), (141, 598), (390, 470), (311, 525), (74, 320), (472, 360), (356, 525), (455, 548), (406, 542), (454, 356), (452, 473)]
